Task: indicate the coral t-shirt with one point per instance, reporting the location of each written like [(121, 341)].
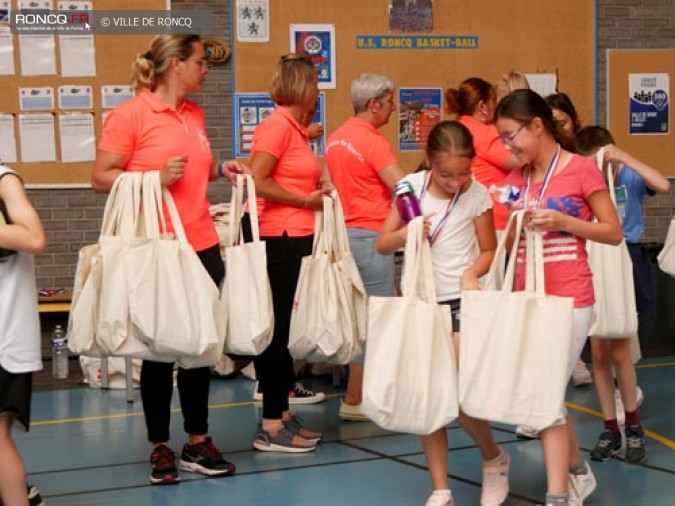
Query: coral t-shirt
[(297, 171), (487, 165), (150, 131), (566, 266), (355, 154)]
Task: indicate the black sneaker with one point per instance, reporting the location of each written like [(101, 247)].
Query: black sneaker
[(163, 460), (205, 458), (608, 446), (34, 497), (303, 395), (636, 450)]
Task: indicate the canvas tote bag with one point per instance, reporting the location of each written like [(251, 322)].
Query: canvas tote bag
[(666, 257), (247, 287), (173, 303), (410, 376), (615, 310), (515, 346)]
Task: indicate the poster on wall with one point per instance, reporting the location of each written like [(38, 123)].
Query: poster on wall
[(420, 109), (317, 42), (649, 103), (411, 15), (253, 22), (251, 109)]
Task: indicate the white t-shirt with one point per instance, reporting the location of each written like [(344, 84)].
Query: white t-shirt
[(456, 245), (19, 321)]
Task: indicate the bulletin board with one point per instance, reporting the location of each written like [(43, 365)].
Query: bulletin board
[(113, 54), (529, 35), (657, 150)]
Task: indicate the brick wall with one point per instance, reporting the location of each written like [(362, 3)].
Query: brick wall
[(72, 217), (638, 24)]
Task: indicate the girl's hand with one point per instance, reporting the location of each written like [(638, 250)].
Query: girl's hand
[(547, 220), (469, 280), (427, 224)]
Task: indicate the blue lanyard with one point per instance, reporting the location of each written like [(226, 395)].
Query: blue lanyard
[(547, 179), (433, 235)]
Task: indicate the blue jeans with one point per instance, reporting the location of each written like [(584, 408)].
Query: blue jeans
[(377, 271)]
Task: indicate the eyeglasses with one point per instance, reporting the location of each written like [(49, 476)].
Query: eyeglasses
[(508, 139)]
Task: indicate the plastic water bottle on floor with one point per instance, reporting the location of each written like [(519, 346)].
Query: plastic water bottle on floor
[(505, 194), (406, 202), (59, 353)]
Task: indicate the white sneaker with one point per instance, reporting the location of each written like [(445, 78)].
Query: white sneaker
[(495, 482), (581, 375), (440, 498), (526, 432), (618, 404), (249, 371), (352, 413), (581, 486)]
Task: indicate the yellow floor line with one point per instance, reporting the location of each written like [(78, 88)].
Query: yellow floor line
[(650, 434), (649, 366)]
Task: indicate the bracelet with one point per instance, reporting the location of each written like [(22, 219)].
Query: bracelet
[(221, 169)]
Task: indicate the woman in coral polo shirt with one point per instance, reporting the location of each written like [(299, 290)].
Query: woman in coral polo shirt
[(287, 175), (160, 130)]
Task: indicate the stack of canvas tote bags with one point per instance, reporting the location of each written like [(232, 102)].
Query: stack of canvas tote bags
[(666, 257), (410, 376), (514, 346), (615, 311), (247, 287), (142, 291), (329, 308)]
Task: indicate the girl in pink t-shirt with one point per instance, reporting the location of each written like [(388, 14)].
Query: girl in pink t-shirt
[(564, 191)]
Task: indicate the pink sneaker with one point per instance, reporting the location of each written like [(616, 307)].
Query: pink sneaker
[(496, 482)]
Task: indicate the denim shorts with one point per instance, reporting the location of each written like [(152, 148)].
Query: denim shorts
[(377, 271)]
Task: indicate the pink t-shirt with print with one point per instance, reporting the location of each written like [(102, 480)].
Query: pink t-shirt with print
[(566, 266)]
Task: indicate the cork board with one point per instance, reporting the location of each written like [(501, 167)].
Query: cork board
[(657, 150), (113, 54), (511, 35)]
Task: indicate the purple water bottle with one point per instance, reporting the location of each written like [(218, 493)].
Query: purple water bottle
[(406, 201)]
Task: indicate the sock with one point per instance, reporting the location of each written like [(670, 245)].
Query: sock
[(612, 425), (499, 459), (557, 499), (632, 418), (579, 469), (444, 492)]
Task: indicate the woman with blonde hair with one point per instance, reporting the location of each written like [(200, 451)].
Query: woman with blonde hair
[(511, 81), (161, 130), (286, 175)]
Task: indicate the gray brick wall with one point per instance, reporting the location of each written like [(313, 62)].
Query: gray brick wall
[(637, 24), (72, 217)]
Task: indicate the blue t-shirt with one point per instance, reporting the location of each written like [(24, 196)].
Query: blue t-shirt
[(633, 223)]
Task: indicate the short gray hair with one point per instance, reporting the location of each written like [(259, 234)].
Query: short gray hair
[(368, 86)]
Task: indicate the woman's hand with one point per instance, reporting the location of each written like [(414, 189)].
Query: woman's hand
[(232, 167), (173, 170), (315, 199)]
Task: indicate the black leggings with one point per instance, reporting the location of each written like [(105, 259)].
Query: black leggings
[(274, 366), (193, 384)]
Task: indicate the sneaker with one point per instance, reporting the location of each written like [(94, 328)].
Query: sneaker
[(299, 395), (581, 486), (205, 458), (440, 498), (281, 442), (163, 461), (495, 482), (294, 423), (636, 450), (618, 404), (34, 497), (525, 432), (608, 446), (581, 375), (249, 372), (352, 413)]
